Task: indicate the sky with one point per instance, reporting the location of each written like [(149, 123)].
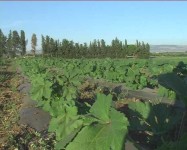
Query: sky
[(83, 21)]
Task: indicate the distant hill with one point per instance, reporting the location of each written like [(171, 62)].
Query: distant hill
[(168, 48)]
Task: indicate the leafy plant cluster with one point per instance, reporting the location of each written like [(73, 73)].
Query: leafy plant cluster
[(135, 74), (57, 94), (153, 120), (99, 126)]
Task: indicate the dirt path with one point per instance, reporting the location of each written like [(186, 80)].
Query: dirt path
[(9, 104), (29, 113)]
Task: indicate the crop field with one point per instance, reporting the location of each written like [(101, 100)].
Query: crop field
[(93, 103), (93, 76)]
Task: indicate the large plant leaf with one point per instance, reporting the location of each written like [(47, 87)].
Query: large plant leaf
[(40, 87), (109, 136), (140, 109), (173, 82), (62, 143), (101, 107), (66, 124), (163, 118), (157, 119)]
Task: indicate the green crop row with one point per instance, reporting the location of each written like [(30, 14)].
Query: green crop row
[(99, 125)]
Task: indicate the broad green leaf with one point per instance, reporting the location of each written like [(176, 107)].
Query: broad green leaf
[(143, 109), (76, 83), (65, 124), (162, 118), (87, 120), (62, 143), (41, 88), (57, 107), (46, 106), (110, 136), (143, 80), (47, 90), (173, 82), (101, 107), (157, 119)]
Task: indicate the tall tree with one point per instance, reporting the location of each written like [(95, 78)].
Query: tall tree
[(16, 42), (56, 45), (23, 43), (2, 43), (9, 45), (147, 47), (77, 50), (52, 46), (137, 43), (116, 47), (94, 47), (103, 49), (43, 45), (34, 43), (85, 50), (58, 48), (47, 43), (126, 46)]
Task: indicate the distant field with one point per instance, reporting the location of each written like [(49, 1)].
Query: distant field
[(168, 48)]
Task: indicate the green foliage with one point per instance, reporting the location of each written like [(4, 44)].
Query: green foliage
[(177, 84), (101, 109), (34, 43), (95, 49), (15, 42), (107, 133), (23, 43), (164, 92), (55, 85), (9, 45), (177, 145), (65, 125), (41, 88), (103, 121), (2, 43), (137, 76), (156, 119)]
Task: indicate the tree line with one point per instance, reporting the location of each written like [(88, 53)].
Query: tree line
[(15, 44)]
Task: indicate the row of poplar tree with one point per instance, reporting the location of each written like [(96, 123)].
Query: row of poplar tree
[(15, 44), (95, 49)]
